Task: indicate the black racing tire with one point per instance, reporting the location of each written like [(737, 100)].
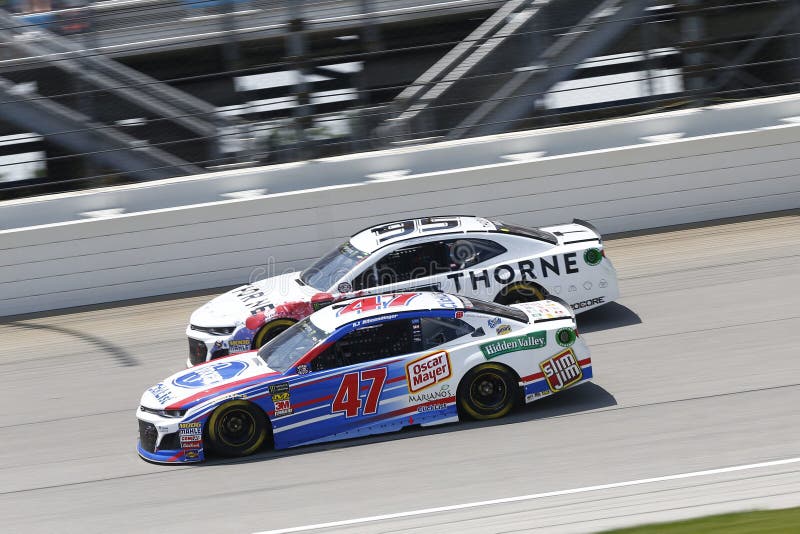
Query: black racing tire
[(237, 428), (270, 330), (488, 391), (520, 292)]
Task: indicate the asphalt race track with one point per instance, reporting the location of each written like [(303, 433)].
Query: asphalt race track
[(697, 368)]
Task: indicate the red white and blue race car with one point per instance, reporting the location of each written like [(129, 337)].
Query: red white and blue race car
[(470, 256), (366, 366)]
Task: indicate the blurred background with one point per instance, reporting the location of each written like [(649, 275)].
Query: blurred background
[(120, 91)]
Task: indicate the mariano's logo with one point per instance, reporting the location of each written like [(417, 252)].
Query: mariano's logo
[(208, 375)]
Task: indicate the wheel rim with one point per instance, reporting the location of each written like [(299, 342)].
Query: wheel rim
[(236, 427), (524, 294), (488, 391)]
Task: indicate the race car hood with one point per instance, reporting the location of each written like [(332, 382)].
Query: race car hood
[(201, 382), (545, 310), (233, 307)]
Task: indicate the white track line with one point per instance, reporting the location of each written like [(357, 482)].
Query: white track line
[(506, 500)]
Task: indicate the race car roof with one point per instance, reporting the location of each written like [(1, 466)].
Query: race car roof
[(367, 308), (372, 238)]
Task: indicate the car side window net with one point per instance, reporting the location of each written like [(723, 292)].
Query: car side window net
[(369, 343), (465, 253), (440, 330), (427, 259)]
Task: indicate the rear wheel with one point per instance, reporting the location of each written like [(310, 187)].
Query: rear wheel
[(237, 428), (488, 391), (516, 293), (270, 330)]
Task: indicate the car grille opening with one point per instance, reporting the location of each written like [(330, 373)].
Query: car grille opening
[(219, 353), (148, 436), (197, 351), (169, 442)]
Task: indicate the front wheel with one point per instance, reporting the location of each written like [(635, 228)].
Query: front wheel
[(488, 391), (270, 330), (237, 428), (518, 293)]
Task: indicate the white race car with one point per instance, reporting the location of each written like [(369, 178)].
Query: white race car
[(465, 255), (366, 366)]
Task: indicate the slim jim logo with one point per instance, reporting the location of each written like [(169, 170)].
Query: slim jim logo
[(562, 370), (428, 370)]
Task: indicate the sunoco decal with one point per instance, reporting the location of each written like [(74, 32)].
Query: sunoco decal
[(535, 340)]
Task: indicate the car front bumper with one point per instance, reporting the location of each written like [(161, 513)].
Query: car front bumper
[(160, 439)]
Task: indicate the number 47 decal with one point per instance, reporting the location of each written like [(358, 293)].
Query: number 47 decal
[(347, 398)]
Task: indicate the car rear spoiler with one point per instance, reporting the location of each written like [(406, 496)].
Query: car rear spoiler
[(590, 226), (560, 301)]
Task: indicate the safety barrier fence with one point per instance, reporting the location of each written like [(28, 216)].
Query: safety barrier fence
[(228, 242)]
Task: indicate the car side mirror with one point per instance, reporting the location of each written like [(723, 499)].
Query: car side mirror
[(478, 333)]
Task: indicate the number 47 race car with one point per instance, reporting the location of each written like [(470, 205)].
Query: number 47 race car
[(469, 256), (366, 366)]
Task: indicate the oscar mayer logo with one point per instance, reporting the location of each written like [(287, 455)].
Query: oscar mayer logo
[(428, 370)]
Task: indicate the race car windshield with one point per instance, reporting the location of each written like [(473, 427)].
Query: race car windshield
[(332, 266), (490, 308), (291, 345)]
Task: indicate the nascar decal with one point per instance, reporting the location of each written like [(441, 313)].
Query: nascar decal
[(281, 398), (190, 435), (526, 269), (562, 370), (534, 340), (429, 370), (210, 374), (376, 302)]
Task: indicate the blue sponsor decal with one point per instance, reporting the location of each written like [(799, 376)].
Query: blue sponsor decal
[(208, 375), (494, 322)]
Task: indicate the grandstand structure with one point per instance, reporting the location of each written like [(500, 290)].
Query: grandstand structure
[(131, 90)]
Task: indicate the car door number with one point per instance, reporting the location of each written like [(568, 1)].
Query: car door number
[(347, 398)]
